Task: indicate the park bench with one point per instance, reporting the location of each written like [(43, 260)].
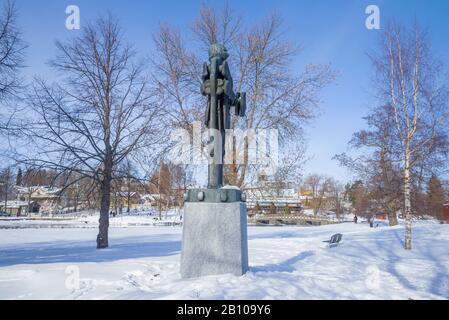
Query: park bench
[(335, 240)]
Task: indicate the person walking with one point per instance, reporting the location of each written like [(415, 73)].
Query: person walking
[(371, 221)]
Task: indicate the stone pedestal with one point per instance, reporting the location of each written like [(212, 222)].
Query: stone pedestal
[(214, 237)]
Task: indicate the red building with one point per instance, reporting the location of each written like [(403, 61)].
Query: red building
[(446, 212), (381, 216)]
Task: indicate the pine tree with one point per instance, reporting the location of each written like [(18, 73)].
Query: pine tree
[(19, 177), (435, 197)]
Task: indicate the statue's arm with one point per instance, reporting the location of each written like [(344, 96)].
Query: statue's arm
[(207, 115), (206, 72), (229, 84), (205, 90), (225, 71), (205, 77)]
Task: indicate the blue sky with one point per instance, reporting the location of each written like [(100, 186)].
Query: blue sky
[(330, 32)]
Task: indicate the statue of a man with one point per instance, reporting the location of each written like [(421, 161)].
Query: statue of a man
[(218, 87)]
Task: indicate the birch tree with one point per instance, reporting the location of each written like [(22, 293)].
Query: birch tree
[(410, 80), (320, 187)]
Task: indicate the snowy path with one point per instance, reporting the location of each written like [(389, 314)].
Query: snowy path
[(286, 263)]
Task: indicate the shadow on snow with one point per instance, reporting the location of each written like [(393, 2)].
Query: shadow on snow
[(85, 251), (285, 266)]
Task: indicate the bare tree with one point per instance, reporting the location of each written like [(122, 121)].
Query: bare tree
[(319, 187), (6, 186), (261, 61), (287, 175), (336, 193), (11, 51), (377, 162), (359, 196), (180, 179), (98, 114), (410, 81), (161, 183)]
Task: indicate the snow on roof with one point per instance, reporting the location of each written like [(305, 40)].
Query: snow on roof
[(125, 194), (15, 204), (43, 189), (231, 187), (275, 201), (151, 196)]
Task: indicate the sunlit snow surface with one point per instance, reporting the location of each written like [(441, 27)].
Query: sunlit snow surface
[(285, 263)]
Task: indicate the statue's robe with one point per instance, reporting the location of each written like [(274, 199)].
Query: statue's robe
[(225, 96)]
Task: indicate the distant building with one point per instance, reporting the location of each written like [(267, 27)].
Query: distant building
[(381, 216), (152, 200), (269, 196), (15, 208), (272, 201), (40, 199), (124, 200), (446, 212)]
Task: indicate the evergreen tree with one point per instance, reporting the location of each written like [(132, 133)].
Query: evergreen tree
[(19, 177), (435, 197)]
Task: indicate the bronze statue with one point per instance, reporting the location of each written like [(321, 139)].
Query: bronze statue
[(215, 219), (218, 87)]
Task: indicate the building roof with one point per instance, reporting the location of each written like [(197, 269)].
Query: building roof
[(125, 194), (14, 204), (40, 191)]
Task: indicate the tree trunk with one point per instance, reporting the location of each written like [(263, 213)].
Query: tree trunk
[(102, 238), (387, 194), (407, 203), (393, 219), (392, 213), (76, 202), (29, 201)]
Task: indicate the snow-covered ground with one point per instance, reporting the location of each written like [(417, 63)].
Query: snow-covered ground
[(285, 263)]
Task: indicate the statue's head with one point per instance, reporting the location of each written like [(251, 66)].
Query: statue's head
[(218, 51)]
